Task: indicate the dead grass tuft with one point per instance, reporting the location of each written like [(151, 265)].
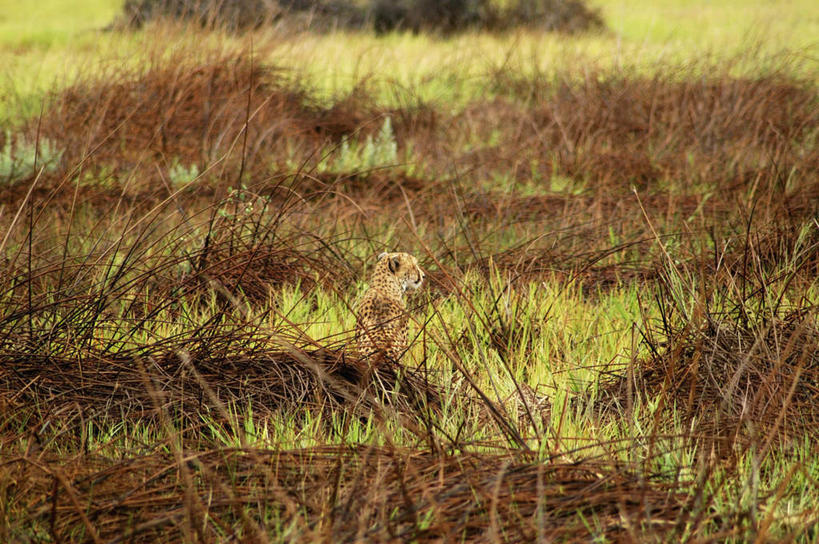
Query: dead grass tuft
[(193, 380), (340, 494), (738, 367), (228, 111), (734, 386)]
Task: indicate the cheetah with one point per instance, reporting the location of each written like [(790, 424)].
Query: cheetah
[(381, 324)]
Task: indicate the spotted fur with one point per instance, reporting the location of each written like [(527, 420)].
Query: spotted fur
[(382, 319)]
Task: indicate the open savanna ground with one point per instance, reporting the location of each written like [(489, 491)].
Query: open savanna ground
[(618, 335)]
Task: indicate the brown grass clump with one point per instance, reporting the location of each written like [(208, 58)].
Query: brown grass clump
[(253, 273), (740, 369), (616, 130), (240, 257), (140, 387), (226, 111), (340, 494), (734, 386), (375, 187)]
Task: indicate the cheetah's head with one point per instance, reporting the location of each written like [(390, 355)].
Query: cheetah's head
[(404, 267)]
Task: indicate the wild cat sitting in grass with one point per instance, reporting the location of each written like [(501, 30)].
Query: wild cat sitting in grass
[(381, 314)]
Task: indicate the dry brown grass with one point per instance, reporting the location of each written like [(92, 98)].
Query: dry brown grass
[(225, 109), (187, 380), (341, 495), (739, 368), (733, 386)]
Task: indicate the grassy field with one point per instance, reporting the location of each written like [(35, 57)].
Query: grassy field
[(618, 337), (49, 45)]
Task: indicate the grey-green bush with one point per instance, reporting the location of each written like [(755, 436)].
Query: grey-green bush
[(443, 16)]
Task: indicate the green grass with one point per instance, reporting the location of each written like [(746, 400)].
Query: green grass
[(50, 24), (46, 46)]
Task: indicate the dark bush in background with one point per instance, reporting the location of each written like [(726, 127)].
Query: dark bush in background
[(242, 14), (442, 15), (381, 15)]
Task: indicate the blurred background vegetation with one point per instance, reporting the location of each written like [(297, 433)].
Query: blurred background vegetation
[(47, 43)]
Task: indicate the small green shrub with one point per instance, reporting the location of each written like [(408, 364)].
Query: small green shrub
[(181, 174), (378, 152), (20, 158)]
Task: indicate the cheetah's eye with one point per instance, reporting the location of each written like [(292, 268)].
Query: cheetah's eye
[(395, 263)]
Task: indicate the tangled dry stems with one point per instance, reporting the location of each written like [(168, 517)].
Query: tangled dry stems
[(344, 494)]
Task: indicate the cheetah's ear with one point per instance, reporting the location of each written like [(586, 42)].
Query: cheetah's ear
[(395, 262), (381, 255)]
